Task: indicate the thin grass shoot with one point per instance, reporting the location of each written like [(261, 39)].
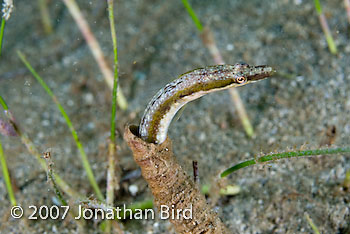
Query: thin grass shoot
[(83, 155), (290, 154), (6, 176)]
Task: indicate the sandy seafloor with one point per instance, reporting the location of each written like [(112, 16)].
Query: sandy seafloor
[(157, 41)]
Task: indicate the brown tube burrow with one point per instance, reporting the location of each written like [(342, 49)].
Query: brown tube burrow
[(171, 186)]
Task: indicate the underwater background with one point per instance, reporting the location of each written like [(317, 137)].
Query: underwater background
[(305, 105)]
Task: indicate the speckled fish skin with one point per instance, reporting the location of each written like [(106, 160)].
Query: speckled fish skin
[(190, 86)]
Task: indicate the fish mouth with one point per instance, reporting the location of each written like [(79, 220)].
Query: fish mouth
[(257, 73)]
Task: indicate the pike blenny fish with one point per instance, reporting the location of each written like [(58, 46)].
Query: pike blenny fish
[(191, 86)]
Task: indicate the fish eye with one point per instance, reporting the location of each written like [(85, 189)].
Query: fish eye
[(241, 80)]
